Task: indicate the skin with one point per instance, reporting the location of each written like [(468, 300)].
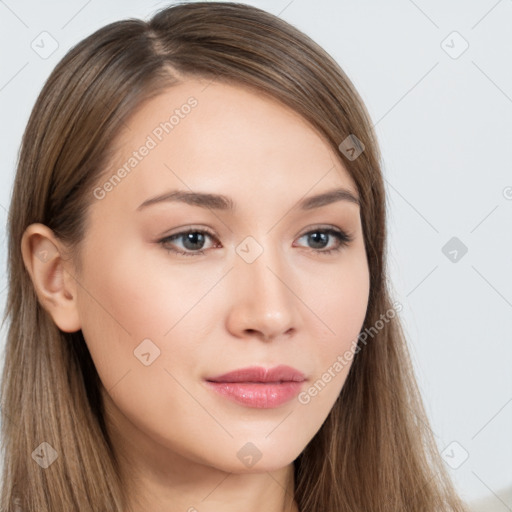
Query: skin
[(214, 312)]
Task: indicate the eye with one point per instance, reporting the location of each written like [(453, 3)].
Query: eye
[(319, 237), (193, 241)]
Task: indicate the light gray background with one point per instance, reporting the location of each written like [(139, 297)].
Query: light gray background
[(444, 122)]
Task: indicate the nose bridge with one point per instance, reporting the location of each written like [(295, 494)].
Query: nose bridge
[(264, 300), (259, 262)]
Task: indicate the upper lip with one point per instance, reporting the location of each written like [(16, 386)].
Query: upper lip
[(259, 374)]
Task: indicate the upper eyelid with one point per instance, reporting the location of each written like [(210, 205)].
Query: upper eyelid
[(349, 235), (210, 232)]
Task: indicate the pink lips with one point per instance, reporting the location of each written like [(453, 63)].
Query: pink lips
[(259, 387)]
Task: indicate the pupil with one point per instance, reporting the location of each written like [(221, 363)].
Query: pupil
[(319, 236), (192, 237)]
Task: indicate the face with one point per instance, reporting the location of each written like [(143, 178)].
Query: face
[(178, 291)]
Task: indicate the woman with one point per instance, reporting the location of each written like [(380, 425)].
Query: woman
[(199, 315)]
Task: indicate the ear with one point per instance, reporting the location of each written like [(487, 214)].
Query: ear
[(55, 286)]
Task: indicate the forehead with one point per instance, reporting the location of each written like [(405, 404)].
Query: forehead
[(221, 138)]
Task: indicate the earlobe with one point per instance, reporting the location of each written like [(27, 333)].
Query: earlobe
[(55, 287)]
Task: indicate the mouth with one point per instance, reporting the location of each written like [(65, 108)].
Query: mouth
[(258, 387), (281, 373)]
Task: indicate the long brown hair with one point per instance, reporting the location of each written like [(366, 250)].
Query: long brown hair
[(375, 451)]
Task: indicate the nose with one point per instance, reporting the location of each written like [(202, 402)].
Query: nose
[(263, 303)]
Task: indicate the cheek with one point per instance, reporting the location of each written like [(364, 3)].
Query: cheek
[(126, 301), (339, 296), (340, 303), (140, 294), (126, 313)]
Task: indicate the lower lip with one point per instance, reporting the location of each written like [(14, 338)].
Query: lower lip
[(258, 394)]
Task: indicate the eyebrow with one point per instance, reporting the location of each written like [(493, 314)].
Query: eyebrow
[(221, 202)]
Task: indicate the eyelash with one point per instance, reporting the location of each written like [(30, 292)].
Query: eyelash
[(343, 238)]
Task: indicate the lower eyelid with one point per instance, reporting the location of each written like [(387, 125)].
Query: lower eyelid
[(343, 238), (170, 238)]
